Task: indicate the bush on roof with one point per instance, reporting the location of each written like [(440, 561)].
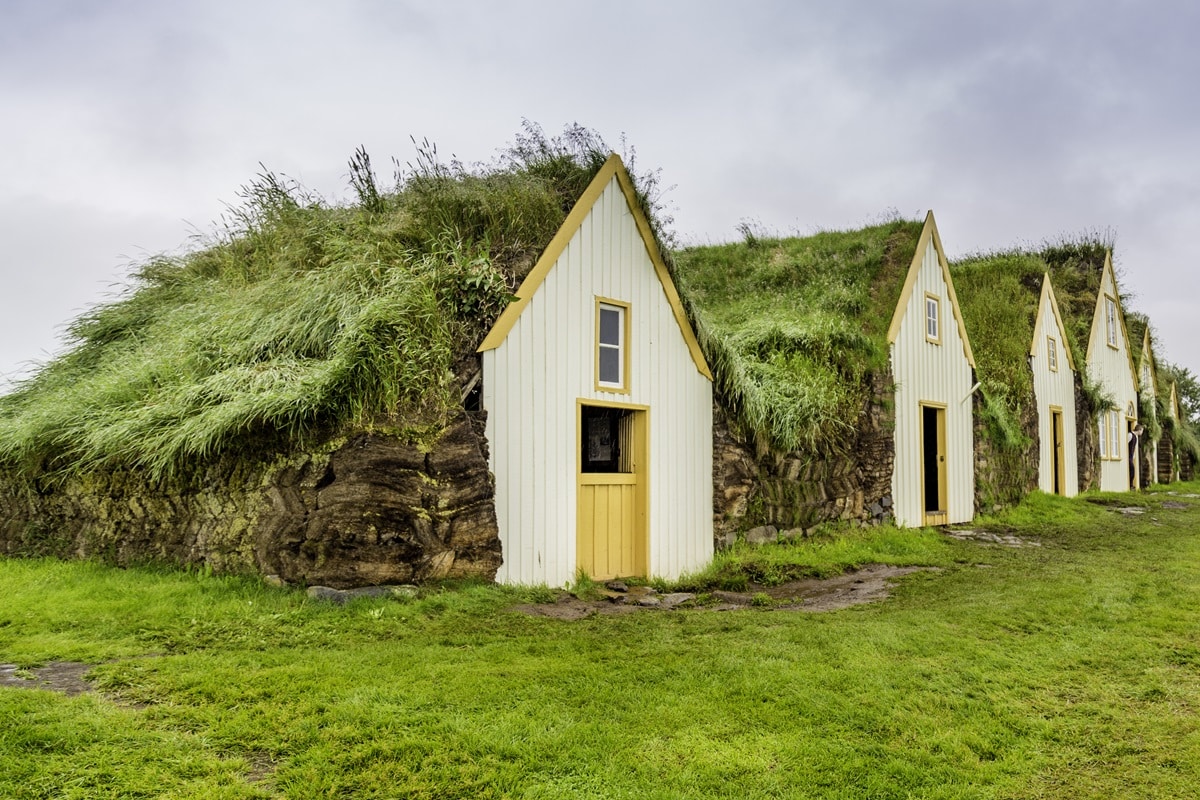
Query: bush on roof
[(794, 326), (301, 315)]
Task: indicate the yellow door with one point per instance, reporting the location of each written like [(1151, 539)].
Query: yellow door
[(611, 537), (933, 465), (1059, 464)]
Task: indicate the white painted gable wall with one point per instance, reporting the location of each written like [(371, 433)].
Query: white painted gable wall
[(533, 380)]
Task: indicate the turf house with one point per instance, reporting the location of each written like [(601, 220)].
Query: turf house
[(599, 405), (1027, 412), (302, 396), (1086, 287), (1148, 401), (844, 378)]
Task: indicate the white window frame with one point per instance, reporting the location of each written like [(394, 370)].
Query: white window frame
[(933, 321), (1052, 353), (1110, 320)]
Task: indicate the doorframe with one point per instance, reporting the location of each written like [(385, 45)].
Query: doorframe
[(1058, 451), (942, 515), (640, 479)]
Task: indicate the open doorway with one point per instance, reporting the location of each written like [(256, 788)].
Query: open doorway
[(933, 465)]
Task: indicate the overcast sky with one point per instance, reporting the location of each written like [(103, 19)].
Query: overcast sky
[(128, 127)]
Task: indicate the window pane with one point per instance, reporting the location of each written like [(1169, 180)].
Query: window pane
[(610, 365), (610, 325)]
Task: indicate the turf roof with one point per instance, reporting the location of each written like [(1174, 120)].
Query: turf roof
[(793, 326), (301, 316), (999, 295)]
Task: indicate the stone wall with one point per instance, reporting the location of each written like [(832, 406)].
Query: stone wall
[(1087, 434), (755, 486), (1165, 468), (1004, 475), (363, 509)]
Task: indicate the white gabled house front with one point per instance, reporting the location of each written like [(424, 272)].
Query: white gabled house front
[(1110, 366), (933, 480), (1148, 388), (1053, 367), (599, 406)]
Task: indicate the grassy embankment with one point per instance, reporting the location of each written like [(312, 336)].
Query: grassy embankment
[(1066, 670)]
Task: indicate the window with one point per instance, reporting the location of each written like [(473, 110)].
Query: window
[(1110, 320), (933, 318), (1104, 435), (1052, 353), (612, 326), (1114, 430)]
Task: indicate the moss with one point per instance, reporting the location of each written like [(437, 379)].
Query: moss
[(794, 327)]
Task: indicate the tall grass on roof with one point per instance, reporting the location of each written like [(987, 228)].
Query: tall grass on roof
[(300, 315), (794, 326)]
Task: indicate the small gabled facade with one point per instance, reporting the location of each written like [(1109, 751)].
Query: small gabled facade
[(933, 478), (599, 406), (1111, 368), (1148, 408), (1053, 367)]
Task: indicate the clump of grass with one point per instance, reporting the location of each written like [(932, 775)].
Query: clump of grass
[(793, 326), (300, 316)]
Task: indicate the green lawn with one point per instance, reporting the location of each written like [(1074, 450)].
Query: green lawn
[(1066, 670)]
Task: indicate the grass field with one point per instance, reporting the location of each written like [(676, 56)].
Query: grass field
[(1065, 670)]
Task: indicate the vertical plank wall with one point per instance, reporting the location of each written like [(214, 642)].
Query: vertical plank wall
[(932, 373), (534, 379), (1112, 369), (1053, 389)]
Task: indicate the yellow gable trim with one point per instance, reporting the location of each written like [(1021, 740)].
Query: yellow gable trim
[(612, 168), (1098, 318), (1049, 297), (930, 232), (1148, 358)]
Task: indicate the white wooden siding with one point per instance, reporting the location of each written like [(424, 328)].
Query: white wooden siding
[(1111, 369), (938, 374), (534, 379), (1150, 393), (1053, 389)]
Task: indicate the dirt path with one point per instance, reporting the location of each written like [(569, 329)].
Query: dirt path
[(866, 585)]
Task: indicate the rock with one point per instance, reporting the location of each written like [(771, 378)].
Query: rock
[(617, 586), (676, 599), (886, 502), (1131, 511), (327, 593), (274, 580), (763, 534), (792, 533), (876, 510), (648, 600)]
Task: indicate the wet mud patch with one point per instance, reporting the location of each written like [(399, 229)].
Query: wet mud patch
[(869, 584), (67, 677)]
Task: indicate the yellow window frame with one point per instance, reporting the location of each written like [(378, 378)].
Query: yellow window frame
[(623, 349)]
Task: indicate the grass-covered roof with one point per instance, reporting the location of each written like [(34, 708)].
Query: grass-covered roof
[(999, 295), (1076, 267), (301, 314), (793, 326)]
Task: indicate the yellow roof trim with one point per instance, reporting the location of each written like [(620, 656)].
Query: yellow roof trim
[(1048, 296), (612, 168), (929, 232), (1098, 318), (1148, 355)]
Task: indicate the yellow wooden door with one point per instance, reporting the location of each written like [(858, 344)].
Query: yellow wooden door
[(1059, 456), (610, 542), (611, 538)]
